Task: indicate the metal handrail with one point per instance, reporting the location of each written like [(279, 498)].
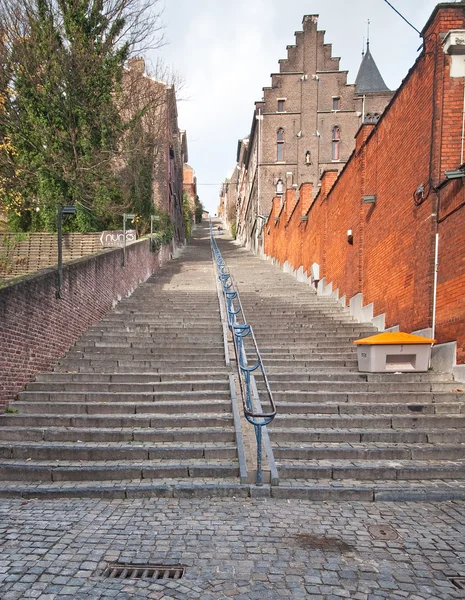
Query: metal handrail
[(240, 331)]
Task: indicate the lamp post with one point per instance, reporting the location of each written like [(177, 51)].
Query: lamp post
[(62, 210), (126, 217)]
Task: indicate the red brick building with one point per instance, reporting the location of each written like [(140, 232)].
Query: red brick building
[(304, 124), (378, 234)]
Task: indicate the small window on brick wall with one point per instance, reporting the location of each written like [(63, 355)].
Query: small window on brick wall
[(336, 103), (335, 143), (281, 105)]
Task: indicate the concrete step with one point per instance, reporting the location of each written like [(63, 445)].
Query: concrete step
[(376, 490), (181, 487), (117, 420), (372, 470), (383, 421), (368, 451), (76, 367), (132, 365), (120, 397), (124, 434), (288, 385), (122, 408), (369, 397), (93, 451), (134, 388), (300, 410), (439, 434), (138, 378), (44, 471)]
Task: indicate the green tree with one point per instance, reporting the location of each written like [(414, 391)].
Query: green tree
[(198, 210), (64, 61)]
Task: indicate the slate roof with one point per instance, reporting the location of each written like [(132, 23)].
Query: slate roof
[(369, 78)]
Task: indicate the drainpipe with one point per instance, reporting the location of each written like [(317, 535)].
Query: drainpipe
[(435, 283), (259, 147)]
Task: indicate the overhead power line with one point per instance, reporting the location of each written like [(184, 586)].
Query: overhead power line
[(402, 17)]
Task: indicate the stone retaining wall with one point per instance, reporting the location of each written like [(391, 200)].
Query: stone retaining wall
[(36, 328)]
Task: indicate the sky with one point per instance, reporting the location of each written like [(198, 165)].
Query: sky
[(224, 51)]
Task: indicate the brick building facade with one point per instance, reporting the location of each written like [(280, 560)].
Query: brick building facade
[(377, 234), (160, 128), (305, 123)]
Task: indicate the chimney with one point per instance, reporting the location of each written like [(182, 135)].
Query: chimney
[(137, 65)]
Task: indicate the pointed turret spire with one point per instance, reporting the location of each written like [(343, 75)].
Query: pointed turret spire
[(369, 78)]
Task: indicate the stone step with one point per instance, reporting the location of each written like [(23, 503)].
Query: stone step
[(122, 408), (140, 343), (120, 397), (369, 397), (296, 410), (116, 470), (278, 385), (368, 451), (309, 355), (199, 362), (85, 378), (406, 378), (129, 489), (372, 470), (76, 367), (370, 491), (135, 388), (122, 434), (311, 363), (439, 434), (386, 421), (120, 421), (147, 348), (93, 451)]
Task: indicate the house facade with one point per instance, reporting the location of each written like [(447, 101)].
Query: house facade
[(305, 124), (159, 131)]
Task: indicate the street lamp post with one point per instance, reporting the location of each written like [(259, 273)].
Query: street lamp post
[(62, 210)]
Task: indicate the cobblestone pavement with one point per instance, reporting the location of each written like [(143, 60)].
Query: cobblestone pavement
[(232, 548)]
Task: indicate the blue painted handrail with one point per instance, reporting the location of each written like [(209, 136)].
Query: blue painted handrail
[(241, 331)]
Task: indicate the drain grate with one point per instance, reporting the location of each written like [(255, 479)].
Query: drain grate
[(128, 571), (459, 582)]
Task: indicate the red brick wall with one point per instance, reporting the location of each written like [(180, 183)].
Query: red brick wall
[(36, 328), (391, 260)]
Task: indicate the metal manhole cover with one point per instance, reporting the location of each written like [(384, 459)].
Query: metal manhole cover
[(128, 571), (458, 582), (383, 532)]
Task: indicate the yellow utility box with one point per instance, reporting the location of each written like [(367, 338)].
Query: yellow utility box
[(393, 352)]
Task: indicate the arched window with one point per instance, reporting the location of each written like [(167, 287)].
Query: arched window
[(280, 144), (336, 140)]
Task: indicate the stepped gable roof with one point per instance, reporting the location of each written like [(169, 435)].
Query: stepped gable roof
[(369, 78)]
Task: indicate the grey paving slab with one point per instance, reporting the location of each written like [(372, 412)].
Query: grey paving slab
[(239, 548)]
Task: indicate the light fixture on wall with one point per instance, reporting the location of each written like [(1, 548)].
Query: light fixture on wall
[(370, 199), (455, 174)]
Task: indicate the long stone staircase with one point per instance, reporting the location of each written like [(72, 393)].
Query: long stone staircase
[(140, 405), (340, 433), (144, 404)]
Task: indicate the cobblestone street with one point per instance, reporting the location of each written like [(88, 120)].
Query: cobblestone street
[(232, 548)]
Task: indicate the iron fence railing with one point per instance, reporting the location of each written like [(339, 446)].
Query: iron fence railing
[(245, 345)]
